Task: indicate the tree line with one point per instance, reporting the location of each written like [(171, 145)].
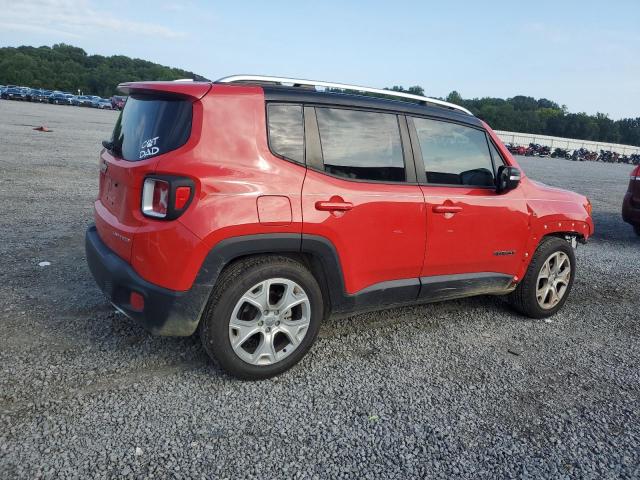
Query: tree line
[(68, 68), (542, 116)]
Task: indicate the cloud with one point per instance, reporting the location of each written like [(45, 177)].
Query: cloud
[(38, 29), (72, 18)]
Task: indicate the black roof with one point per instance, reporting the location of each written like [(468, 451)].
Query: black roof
[(306, 95)]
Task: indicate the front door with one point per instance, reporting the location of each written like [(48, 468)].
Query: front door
[(472, 232)]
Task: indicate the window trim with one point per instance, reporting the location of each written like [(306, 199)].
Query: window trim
[(419, 159), (304, 136), (316, 161)]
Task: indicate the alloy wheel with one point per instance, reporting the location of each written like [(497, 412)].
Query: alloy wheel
[(269, 321), (553, 280)]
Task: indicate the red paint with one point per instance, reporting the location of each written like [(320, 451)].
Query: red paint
[(381, 232), (195, 90), (274, 210), (466, 241), (380, 237)]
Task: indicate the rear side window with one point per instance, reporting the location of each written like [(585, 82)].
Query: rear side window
[(454, 154), (151, 125), (361, 145), (286, 131)]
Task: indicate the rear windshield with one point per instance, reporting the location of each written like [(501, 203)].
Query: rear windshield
[(151, 125)]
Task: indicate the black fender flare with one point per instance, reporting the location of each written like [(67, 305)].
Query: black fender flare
[(323, 256)]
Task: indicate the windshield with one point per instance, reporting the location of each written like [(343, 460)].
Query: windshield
[(151, 125)]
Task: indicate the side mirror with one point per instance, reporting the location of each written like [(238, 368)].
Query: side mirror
[(508, 178)]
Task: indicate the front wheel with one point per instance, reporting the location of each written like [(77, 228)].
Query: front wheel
[(548, 281), (263, 317), (636, 228)]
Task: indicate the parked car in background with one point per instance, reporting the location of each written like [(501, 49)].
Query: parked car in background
[(84, 101), (94, 100), (59, 98), (631, 202), (356, 203), (118, 101), (39, 95), (15, 93), (104, 104)]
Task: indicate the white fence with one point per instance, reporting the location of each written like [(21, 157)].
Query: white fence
[(568, 143)]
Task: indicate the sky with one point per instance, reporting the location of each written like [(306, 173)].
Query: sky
[(583, 54)]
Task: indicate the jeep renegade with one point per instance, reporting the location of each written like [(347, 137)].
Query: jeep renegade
[(250, 208)]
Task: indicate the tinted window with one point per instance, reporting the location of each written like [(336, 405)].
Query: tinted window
[(497, 158), (151, 125), (286, 131), (361, 145), (454, 154)]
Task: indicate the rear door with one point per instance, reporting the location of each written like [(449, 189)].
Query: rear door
[(148, 127), (470, 228), (360, 193)]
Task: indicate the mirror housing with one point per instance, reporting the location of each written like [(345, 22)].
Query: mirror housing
[(508, 178)]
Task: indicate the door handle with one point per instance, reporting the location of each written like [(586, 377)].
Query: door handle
[(446, 209), (333, 206)]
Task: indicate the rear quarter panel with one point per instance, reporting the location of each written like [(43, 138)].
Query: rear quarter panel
[(234, 166), (231, 166)]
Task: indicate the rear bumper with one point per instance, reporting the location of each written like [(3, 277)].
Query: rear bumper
[(165, 312), (630, 210)]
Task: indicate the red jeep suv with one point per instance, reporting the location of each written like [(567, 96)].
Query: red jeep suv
[(252, 207)]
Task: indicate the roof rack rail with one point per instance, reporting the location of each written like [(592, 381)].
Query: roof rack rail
[(342, 86)]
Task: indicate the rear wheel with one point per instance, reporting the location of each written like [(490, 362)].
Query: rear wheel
[(263, 317), (548, 281), (636, 228)]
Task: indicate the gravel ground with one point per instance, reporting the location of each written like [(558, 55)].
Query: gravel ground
[(462, 389)]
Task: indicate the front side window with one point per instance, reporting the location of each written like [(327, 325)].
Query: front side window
[(151, 125), (286, 131), (454, 154), (497, 158), (361, 145)]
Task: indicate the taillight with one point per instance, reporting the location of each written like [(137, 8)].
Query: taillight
[(166, 197), (155, 198)]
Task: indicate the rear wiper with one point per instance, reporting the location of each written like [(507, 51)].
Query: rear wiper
[(110, 146)]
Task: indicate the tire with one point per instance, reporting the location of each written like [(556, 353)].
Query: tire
[(524, 298), (247, 279), (636, 228)]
